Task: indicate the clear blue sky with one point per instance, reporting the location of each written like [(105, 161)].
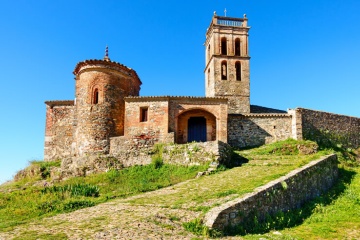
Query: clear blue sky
[(304, 53)]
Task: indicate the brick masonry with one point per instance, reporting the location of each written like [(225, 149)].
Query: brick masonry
[(59, 129)]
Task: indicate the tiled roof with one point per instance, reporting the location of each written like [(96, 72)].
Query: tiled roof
[(60, 103), (154, 98), (108, 63), (260, 109)]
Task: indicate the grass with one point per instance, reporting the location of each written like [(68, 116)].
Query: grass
[(333, 215), (20, 202)]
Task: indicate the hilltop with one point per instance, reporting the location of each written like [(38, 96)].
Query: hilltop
[(112, 208)]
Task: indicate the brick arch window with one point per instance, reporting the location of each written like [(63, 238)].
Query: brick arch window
[(223, 46), (237, 47), (223, 70), (238, 71), (96, 96)]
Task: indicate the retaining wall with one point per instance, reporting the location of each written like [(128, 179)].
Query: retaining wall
[(285, 193)]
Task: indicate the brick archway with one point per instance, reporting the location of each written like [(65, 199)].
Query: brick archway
[(196, 121)]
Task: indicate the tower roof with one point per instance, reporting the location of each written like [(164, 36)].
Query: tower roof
[(106, 64)]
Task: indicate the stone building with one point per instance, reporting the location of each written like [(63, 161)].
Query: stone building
[(108, 115)]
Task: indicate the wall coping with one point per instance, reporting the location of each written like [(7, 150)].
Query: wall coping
[(307, 109), (260, 115)]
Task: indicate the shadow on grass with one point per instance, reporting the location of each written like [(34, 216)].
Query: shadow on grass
[(295, 217)]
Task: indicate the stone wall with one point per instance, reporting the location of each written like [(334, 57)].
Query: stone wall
[(58, 130), (328, 128), (141, 152), (286, 193), (156, 124), (214, 109), (170, 114), (101, 86), (258, 129)]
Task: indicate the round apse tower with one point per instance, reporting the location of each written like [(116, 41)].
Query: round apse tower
[(101, 86)]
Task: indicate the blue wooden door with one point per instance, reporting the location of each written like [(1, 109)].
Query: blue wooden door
[(197, 129)]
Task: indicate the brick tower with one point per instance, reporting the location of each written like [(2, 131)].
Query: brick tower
[(227, 71), (101, 86)]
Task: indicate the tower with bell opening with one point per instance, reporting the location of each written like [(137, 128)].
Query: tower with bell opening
[(227, 62)]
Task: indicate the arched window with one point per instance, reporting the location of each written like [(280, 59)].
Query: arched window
[(223, 70), (223, 46), (238, 71), (237, 47), (96, 96)]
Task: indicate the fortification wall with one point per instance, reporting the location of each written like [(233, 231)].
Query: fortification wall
[(58, 132), (258, 129), (329, 128), (285, 193)]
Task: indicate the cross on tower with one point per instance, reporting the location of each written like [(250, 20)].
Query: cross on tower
[(225, 12)]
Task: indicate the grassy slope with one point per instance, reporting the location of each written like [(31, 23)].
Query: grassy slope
[(335, 215)]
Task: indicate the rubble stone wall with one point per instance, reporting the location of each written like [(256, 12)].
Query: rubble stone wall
[(58, 132), (258, 129), (286, 193), (329, 128), (156, 124), (141, 152)]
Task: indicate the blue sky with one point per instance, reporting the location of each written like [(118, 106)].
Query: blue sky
[(304, 53)]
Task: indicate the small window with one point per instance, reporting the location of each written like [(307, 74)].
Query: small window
[(96, 96), (223, 46), (208, 77), (208, 52), (238, 71), (144, 114), (237, 47), (224, 70)]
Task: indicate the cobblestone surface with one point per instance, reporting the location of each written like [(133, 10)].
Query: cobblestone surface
[(114, 220)]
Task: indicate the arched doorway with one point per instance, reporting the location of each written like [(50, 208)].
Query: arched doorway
[(196, 125), (197, 129)]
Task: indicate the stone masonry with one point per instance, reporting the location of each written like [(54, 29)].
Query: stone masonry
[(109, 118)]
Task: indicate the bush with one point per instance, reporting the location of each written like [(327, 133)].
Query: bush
[(157, 161)]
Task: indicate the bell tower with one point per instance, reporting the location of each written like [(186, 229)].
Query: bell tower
[(227, 71)]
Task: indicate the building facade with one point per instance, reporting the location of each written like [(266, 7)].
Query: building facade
[(108, 114)]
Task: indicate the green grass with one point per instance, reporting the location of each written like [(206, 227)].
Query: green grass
[(334, 215), (21, 203)]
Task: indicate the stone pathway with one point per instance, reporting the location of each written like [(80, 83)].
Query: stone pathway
[(114, 220)]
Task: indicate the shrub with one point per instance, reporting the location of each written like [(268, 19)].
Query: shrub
[(157, 161)]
